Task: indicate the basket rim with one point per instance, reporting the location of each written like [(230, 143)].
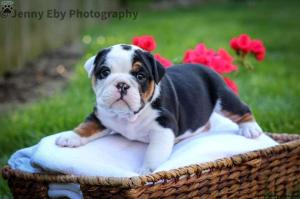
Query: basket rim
[(252, 158)]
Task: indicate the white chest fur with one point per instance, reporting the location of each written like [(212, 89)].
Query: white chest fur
[(132, 127)]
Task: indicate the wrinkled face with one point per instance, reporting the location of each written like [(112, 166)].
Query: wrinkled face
[(124, 78)]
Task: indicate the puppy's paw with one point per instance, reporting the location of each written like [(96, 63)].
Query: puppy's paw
[(250, 129), (144, 171), (70, 140)]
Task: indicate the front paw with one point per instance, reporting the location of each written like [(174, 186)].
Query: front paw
[(144, 171), (250, 130), (70, 140)]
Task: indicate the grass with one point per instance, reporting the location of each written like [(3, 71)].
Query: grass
[(272, 90)]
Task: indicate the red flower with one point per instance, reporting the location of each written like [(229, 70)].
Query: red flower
[(200, 48), (222, 66), (219, 61), (188, 56), (257, 46), (200, 59), (217, 64), (244, 42), (260, 56), (225, 55), (232, 85), (145, 42), (258, 49), (164, 61), (234, 44), (241, 43)]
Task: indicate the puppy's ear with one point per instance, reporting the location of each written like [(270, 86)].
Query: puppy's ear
[(89, 65), (152, 65)]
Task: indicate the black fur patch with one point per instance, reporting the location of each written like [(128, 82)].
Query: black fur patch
[(153, 67), (231, 102), (188, 95), (126, 47), (100, 57), (147, 68), (99, 61), (168, 121), (156, 103)]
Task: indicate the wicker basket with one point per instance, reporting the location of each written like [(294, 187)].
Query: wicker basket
[(273, 172)]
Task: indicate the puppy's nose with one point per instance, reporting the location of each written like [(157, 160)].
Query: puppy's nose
[(122, 87)]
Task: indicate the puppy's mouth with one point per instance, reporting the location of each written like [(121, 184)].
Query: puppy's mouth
[(122, 100)]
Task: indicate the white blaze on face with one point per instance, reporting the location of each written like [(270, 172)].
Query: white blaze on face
[(119, 60), (107, 95)]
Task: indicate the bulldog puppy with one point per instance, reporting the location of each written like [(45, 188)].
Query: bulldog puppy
[(139, 99)]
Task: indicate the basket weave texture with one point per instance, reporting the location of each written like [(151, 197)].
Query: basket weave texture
[(272, 173)]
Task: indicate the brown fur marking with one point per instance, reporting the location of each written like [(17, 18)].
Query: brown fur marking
[(246, 118), (136, 66), (238, 118), (87, 129), (149, 92)]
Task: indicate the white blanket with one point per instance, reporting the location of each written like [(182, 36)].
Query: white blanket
[(119, 157)]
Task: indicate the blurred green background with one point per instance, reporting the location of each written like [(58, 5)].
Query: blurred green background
[(272, 89)]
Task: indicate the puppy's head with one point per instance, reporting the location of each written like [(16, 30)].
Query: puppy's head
[(124, 78)]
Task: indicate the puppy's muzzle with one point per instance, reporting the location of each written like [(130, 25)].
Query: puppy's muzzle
[(122, 88)]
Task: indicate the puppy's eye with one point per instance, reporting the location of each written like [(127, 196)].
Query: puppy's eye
[(104, 72), (141, 77)]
